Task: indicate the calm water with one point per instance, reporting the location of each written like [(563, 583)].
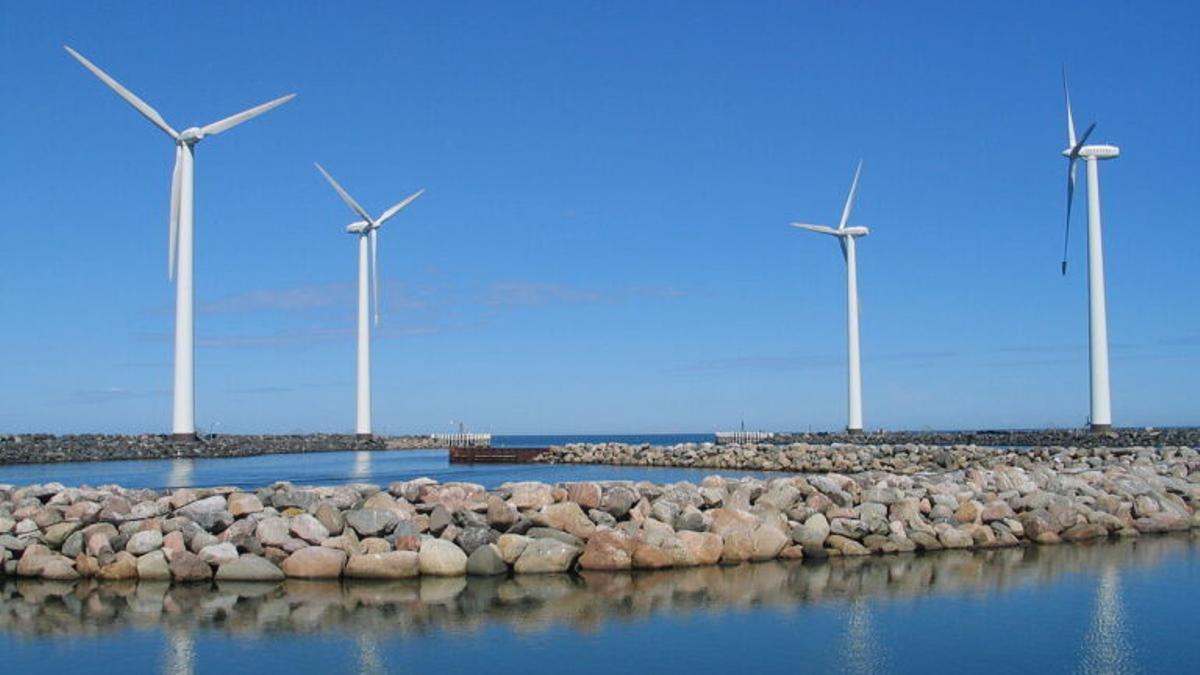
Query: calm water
[(326, 468), (1112, 608)]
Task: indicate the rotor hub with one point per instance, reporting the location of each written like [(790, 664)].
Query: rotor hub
[(191, 135)]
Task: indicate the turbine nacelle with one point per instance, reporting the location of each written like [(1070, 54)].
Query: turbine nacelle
[(358, 227), (856, 231), (1096, 151)]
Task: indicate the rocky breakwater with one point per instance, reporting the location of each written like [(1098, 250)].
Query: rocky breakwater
[(424, 528), (1123, 437), (39, 448), (910, 458)]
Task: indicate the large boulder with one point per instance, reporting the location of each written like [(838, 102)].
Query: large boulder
[(568, 517), (767, 542), (187, 566), (546, 555), (209, 513), (530, 495), (442, 558), (372, 522), (144, 542), (389, 565), (697, 548), (315, 562), (249, 568), (485, 561), (608, 550), (243, 504), (308, 528), (511, 546), (153, 567)]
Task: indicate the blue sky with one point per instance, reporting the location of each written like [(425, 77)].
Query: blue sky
[(603, 246)]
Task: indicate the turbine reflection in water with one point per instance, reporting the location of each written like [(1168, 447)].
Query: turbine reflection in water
[(181, 473), (367, 651), (1106, 647), (362, 464), (860, 653), (180, 657)]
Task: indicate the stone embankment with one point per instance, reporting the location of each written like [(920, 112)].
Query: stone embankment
[(38, 448), (1123, 437), (421, 527), (822, 458)]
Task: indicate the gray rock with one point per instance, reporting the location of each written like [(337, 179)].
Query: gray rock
[(558, 535), (547, 556), (372, 522), (485, 561), (209, 513), (249, 568), (144, 542)]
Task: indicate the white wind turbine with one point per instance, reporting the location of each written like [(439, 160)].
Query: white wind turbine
[(1101, 404), (846, 237), (367, 230), (183, 424)]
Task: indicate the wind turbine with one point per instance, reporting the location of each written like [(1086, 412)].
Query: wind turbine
[(183, 422), (846, 237), (1101, 408), (367, 230)]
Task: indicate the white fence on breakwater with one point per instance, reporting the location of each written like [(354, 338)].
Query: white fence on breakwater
[(727, 437), (463, 440)]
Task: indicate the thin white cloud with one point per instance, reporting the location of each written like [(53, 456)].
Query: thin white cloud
[(517, 293)]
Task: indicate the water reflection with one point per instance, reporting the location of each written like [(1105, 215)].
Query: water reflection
[(860, 649), (1106, 647), (362, 465), (533, 603), (180, 658), (367, 652), (180, 474)]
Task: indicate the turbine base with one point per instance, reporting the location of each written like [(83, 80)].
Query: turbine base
[(1101, 428), (364, 437), (185, 438), (854, 432)]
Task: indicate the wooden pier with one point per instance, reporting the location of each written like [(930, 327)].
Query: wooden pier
[(492, 455)]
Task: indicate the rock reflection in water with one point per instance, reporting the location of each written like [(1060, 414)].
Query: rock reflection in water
[(531, 603)]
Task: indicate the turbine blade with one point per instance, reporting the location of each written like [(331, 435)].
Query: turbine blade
[(1070, 118), (1075, 149), (397, 208), (234, 120), (822, 229), (131, 98), (173, 226), (850, 198), (344, 195), (842, 243), (1070, 201), (375, 272)]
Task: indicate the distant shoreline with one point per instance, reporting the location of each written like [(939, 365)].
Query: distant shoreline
[(49, 448)]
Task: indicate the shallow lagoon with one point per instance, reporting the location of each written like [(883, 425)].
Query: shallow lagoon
[(329, 468), (1125, 606)]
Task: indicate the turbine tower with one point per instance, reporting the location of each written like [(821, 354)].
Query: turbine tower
[(183, 417), (367, 231), (1101, 404), (846, 237)]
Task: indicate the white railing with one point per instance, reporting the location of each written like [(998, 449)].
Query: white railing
[(728, 437), (463, 440)]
